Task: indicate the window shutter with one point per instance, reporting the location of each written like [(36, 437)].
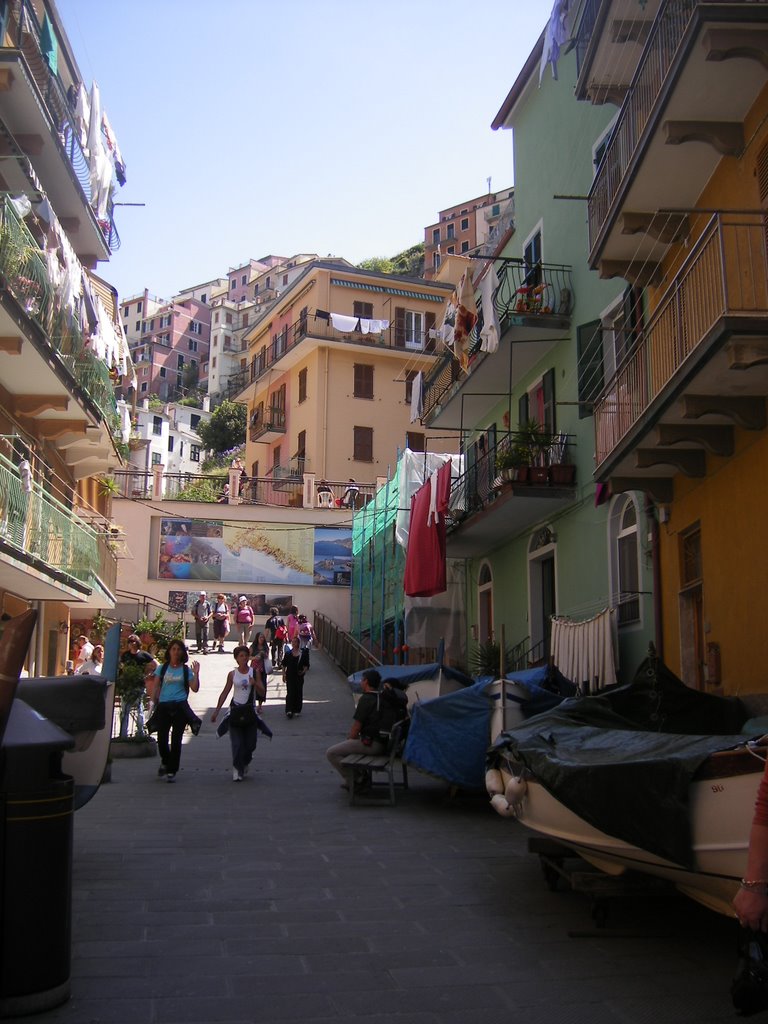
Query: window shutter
[(522, 410), (548, 383), (589, 353), (762, 174), (400, 327)]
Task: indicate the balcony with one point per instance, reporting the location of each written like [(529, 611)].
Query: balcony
[(701, 71), (487, 506), (610, 37), (48, 552), (533, 304), (35, 111), (44, 353), (699, 369), (282, 347), (266, 425)]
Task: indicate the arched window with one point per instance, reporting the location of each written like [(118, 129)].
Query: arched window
[(625, 560)]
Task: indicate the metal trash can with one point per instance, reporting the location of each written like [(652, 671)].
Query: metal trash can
[(36, 806)]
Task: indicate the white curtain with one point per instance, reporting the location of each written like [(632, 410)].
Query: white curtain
[(585, 651)]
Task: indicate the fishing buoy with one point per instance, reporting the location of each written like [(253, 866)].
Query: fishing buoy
[(515, 790), (501, 806), (494, 782)]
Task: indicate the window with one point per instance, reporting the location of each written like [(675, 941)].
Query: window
[(144, 386), (276, 456), (415, 441), (285, 279), (465, 246), (233, 284), (180, 362), (465, 224), (228, 318), (362, 444), (363, 382), (450, 231), (589, 355), (170, 442), (244, 320), (414, 329), (138, 307), (216, 317), (138, 325), (157, 425), (244, 279), (532, 259), (155, 458), (538, 403), (162, 371), (363, 309), (301, 447), (227, 340), (256, 289), (194, 452), (495, 209), (303, 385), (192, 345), (213, 364), (268, 283), (435, 236), (435, 260), (195, 327), (203, 298), (451, 250), (626, 565)]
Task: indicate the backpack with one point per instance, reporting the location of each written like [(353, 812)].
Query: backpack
[(281, 633), (305, 631), (164, 669), (244, 615)]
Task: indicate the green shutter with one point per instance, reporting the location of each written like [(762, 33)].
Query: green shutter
[(589, 351)]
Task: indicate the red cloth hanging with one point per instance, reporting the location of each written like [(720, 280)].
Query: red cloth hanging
[(425, 556)]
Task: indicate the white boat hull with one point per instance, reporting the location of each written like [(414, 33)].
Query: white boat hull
[(721, 815)]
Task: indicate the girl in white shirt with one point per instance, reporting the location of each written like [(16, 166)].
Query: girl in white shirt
[(243, 730)]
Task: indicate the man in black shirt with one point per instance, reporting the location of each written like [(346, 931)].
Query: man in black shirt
[(135, 656), (363, 736)]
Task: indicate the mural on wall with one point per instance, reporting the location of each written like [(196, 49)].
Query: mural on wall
[(217, 551)]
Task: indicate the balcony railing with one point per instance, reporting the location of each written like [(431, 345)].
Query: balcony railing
[(23, 266), (726, 274), (666, 34), (529, 294), (27, 31), (394, 336), (266, 421), (584, 33), (45, 529)]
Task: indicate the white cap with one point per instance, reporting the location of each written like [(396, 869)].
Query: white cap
[(202, 593), (243, 597)]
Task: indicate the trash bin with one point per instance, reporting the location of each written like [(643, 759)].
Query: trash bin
[(36, 807)]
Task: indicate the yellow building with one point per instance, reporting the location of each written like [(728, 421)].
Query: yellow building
[(678, 209), (331, 372)]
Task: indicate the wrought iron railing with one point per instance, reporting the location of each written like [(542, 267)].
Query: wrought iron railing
[(348, 653), (726, 274), (44, 528), (313, 326), (538, 292), (666, 34), (23, 266), (26, 29), (263, 421)]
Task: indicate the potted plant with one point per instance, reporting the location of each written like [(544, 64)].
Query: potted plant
[(535, 442), (561, 472), (485, 659), (512, 463)]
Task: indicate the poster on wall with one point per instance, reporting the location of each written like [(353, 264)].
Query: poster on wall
[(221, 552), (181, 601)]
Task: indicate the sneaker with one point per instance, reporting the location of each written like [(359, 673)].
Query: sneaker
[(236, 775), (196, 726), (170, 777), (161, 770), (289, 714), (221, 649)]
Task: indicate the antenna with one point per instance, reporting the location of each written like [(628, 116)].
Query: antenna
[(488, 179)]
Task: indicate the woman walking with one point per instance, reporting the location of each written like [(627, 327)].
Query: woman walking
[(244, 619), (294, 667), (172, 682), (92, 666), (243, 728)]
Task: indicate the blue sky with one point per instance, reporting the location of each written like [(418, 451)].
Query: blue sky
[(328, 126)]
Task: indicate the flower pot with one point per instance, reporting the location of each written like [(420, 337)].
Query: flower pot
[(539, 474), (522, 473), (144, 747), (562, 474)]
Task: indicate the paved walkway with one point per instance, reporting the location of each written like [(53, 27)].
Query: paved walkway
[(272, 900)]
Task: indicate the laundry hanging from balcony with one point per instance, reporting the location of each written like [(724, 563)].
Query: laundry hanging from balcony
[(555, 34), (584, 651), (357, 324), (425, 556), (489, 334), (459, 320)]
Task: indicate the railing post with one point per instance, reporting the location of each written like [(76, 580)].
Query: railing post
[(157, 482)]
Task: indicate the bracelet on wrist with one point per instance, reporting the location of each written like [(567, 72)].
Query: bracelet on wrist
[(759, 886)]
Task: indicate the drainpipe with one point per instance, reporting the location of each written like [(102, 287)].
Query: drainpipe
[(652, 518), (324, 471)]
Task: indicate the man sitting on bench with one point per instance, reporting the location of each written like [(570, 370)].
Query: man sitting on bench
[(363, 736)]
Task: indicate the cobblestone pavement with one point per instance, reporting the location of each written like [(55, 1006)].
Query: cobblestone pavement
[(272, 900)]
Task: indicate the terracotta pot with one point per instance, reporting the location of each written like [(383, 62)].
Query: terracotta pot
[(539, 474), (562, 475), (521, 474)]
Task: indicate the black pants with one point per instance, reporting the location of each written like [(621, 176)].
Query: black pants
[(243, 740), (294, 694), (171, 720)]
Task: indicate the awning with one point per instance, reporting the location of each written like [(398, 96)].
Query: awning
[(388, 291)]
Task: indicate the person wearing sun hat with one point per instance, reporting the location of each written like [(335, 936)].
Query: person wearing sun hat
[(202, 614), (244, 619)]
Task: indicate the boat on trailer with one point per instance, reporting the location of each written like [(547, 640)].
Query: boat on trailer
[(651, 777)]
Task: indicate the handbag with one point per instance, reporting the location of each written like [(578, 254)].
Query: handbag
[(268, 667), (242, 715)]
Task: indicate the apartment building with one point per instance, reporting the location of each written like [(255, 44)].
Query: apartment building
[(462, 228), (165, 436), (331, 366), (61, 339), (172, 347)]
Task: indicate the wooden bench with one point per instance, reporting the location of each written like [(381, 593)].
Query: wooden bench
[(372, 764)]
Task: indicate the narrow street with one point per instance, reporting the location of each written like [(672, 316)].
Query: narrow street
[(273, 900)]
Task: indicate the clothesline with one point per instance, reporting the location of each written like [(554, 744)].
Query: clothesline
[(353, 324)]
